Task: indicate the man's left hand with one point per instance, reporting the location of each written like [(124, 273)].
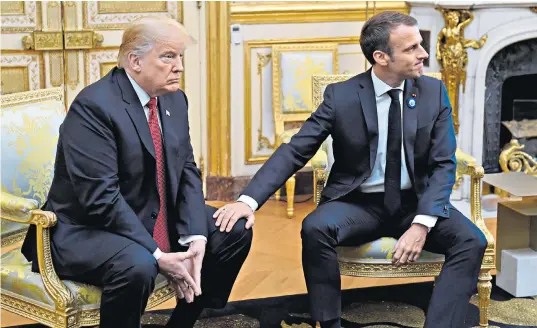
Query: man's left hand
[(408, 248), (198, 248), (193, 266)]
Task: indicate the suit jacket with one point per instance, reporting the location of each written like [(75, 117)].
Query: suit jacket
[(349, 114), (104, 190)]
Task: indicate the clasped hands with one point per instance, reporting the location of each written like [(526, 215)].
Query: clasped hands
[(183, 270)]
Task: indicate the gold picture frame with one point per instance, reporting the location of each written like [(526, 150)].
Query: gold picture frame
[(293, 65)]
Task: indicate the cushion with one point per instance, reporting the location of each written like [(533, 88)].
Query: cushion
[(17, 277), (380, 249)]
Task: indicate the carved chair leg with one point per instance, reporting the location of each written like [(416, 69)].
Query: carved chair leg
[(290, 190), (484, 288), (277, 195)]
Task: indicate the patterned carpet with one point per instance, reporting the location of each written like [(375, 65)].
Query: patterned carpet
[(379, 307)]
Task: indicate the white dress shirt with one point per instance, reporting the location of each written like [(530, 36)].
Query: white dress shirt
[(144, 99), (375, 182)]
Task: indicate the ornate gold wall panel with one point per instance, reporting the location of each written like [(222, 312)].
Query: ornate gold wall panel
[(47, 41), (24, 70), (72, 69), (12, 8), (218, 93), (15, 20), (116, 15), (98, 63), (264, 12), (70, 15), (81, 39), (262, 60), (19, 77), (120, 7), (54, 16), (56, 68)]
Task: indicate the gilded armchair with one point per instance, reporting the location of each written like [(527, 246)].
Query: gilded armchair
[(30, 128), (374, 259)]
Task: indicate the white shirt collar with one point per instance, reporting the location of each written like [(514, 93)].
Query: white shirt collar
[(142, 95), (381, 87)]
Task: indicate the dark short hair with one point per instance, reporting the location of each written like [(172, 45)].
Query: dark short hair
[(375, 33)]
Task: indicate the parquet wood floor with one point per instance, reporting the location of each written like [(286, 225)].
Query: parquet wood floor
[(273, 267)]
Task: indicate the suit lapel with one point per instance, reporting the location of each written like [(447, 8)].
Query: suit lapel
[(368, 101), (410, 122), (135, 110)]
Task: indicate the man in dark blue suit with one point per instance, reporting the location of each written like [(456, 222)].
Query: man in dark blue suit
[(394, 148), (128, 195)]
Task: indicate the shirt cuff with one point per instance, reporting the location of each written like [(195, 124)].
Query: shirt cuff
[(427, 220), (248, 201), (157, 254), (185, 240)]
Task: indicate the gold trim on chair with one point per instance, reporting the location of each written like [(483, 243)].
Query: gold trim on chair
[(31, 97), (383, 270), (12, 238)]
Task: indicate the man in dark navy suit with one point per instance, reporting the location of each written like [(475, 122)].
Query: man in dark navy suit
[(128, 195), (394, 148)]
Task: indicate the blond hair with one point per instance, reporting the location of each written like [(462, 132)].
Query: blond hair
[(140, 36)]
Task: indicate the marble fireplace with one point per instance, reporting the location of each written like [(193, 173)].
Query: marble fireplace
[(510, 96), (501, 81)]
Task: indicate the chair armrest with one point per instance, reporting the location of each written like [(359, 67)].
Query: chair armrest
[(319, 179), (15, 208), (466, 165), (44, 220)]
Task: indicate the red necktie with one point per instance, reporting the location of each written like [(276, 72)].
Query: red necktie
[(160, 231)]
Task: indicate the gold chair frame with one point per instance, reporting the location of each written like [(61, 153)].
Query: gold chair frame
[(466, 165), (65, 313)]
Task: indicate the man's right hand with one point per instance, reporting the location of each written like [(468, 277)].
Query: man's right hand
[(172, 265), (227, 215)]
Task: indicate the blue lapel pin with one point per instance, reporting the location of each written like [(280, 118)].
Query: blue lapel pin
[(411, 102)]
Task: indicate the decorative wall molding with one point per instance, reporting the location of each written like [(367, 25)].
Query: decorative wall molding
[(277, 12), (25, 69), (116, 15), (15, 20)]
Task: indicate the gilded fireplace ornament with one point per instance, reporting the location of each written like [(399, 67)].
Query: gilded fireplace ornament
[(452, 56), (514, 159)]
